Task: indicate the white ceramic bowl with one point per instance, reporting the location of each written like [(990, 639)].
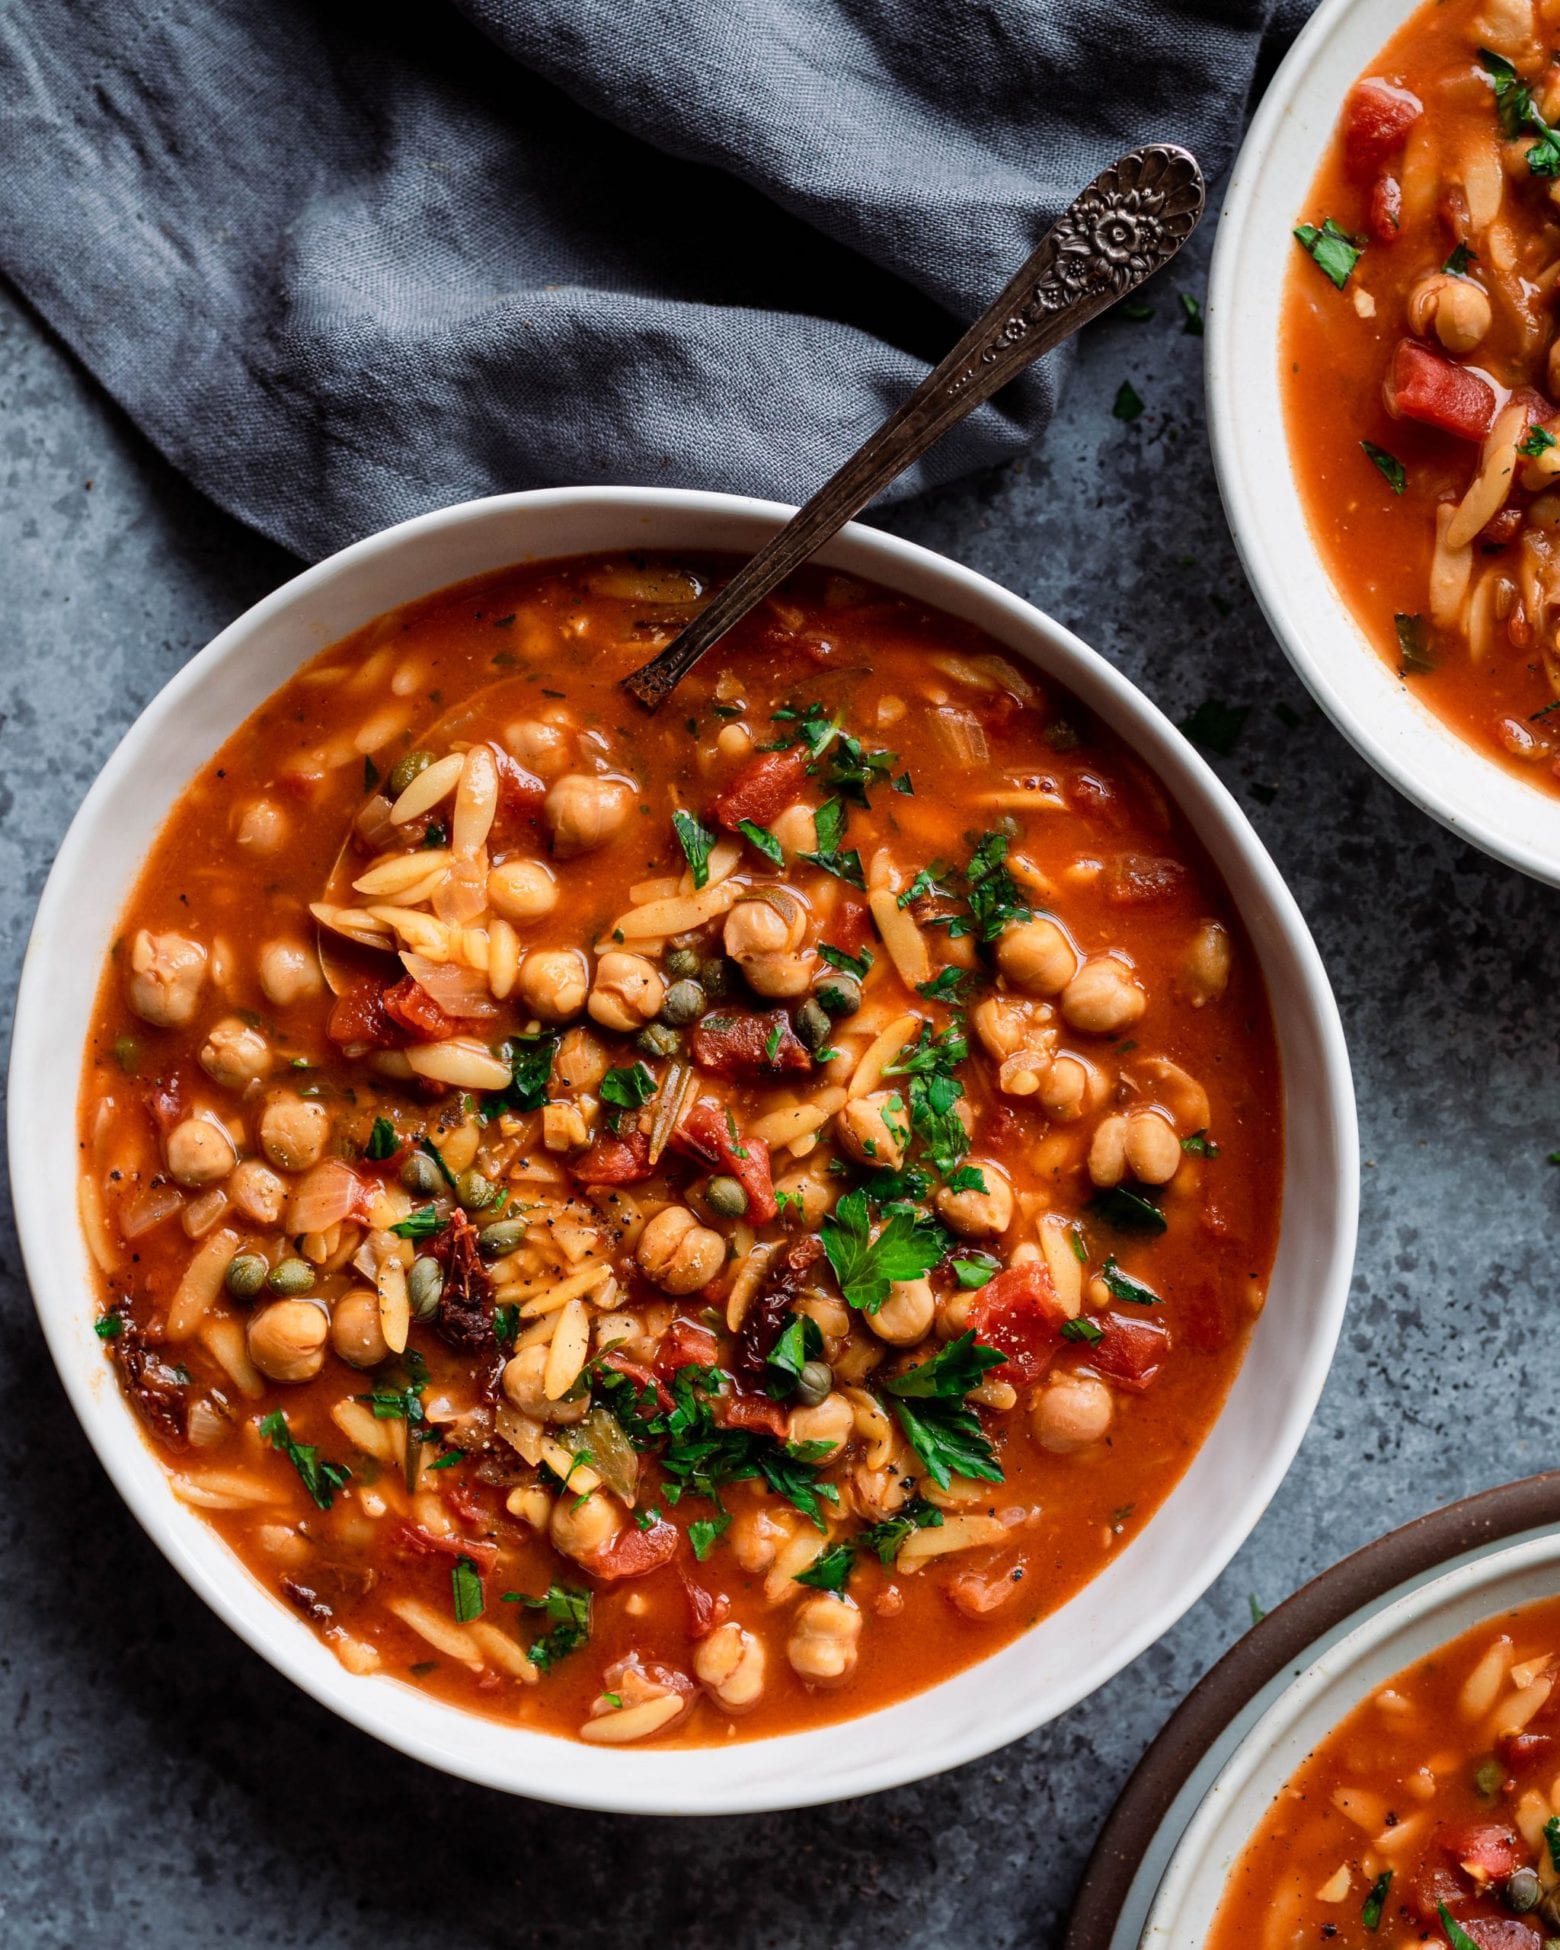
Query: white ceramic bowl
[(1405, 741), (1026, 1683), (1392, 1634)]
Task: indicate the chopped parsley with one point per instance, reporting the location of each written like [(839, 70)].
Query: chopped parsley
[(1334, 252), (1127, 1211), (935, 1091), (568, 1613), (799, 1341), (1456, 265), (1413, 644), (1200, 1145), (1122, 1286), (108, 1327), (429, 1149), (700, 1456), (1456, 1935), (830, 1570), (628, 1089), (944, 985), (1535, 441), (403, 1404), (1081, 1328), (697, 843), (1127, 404), (530, 1060), (1192, 324), (772, 1042), (1216, 726), (449, 1459), (320, 1479), (465, 1591), (975, 1269), (421, 1224), (761, 838), (937, 1422), (382, 1141), (857, 965), (1517, 114), (704, 1533), (851, 769), (992, 898), (1390, 468), (907, 1246), (1376, 1901), (1552, 1840), (829, 824)]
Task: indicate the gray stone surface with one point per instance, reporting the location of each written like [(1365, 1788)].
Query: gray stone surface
[(161, 1786)]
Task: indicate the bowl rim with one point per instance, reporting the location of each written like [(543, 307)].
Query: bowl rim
[(844, 1758), (1228, 1711), (1418, 762)]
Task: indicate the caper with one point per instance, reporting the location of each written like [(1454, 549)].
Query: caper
[(503, 1236), (839, 993), (421, 1176), (1549, 1910), (406, 769), (245, 1275), (812, 1024), (684, 1002), (715, 975), (681, 963), (1521, 1891), (290, 1276), (474, 1191), (814, 1383), (726, 1198), (425, 1286), (658, 1039)]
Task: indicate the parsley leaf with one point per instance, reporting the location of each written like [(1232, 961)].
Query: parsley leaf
[(944, 985), (421, 1224), (1375, 1902), (798, 1342), (1518, 115), (530, 1060), (934, 1092), (429, 1149), (382, 1141), (697, 843), (951, 1372), (975, 1269), (1390, 468), (1081, 1328), (704, 1533), (320, 1479), (829, 823), (1193, 325), (1456, 1935), (1456, 265), (1200, 1145), (830, 1570), (883, 1539), (628, 1089), (906, 1247), (856, 965), (789, 1471), (1534, 442), (763, 839), (465, 1591), (1334, 251), (108, 1327), (1414, 644), (853, 769), (938, 1423), (1127, 1211), (1122, 1286), (569, 1613), (1127, 405), (1216, 726)]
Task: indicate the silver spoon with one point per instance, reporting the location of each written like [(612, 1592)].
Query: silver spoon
[(1129, 222)]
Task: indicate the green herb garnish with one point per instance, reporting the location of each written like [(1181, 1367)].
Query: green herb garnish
[(1216, 726), (761, 838), (382, 1141), (320, 1479), (1122, 1286), (1200, 1145), (1127, 1211), (1334, 252), (938, 1423), (906, 1247), (1390, 468), (569, 1613), (1375, 1902), (1127, 405), (628, 1089), (530, 1060), (697, 843), (465, 1591), (421, 1224), (1414, 644)]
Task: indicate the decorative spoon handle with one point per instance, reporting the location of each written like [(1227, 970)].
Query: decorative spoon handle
[(1130, 221)]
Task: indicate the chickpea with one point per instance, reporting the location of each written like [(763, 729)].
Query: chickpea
[(905, 1317), (287, 1340), (294, 1132), (522, 890), (581, 1526), (764, 927), (200, 1152), (1456, 310), (818, 1197), (756, 1535), (833, 1421), (874, 1128), (628, 992), (1036, 956), (522, 1385), (796, 829), (553, 983), (1102, 999), (1070, 1087), (823, 1641), (730, 1665), (678, 1253), (355, 1332), (263, 828), (780, 976), (979, 1214), (167, 974), (1153, 1149), (581, 1061), (1071, 1412), (235, 1055), (1204, 973), (1108, 1151), (542, 747), (585, 813), (257, 1193), (289, 973)]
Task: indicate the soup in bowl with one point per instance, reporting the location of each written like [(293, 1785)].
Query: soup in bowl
[(681, 1230)]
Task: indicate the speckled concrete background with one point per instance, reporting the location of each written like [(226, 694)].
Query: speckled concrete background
[(161, 1786)]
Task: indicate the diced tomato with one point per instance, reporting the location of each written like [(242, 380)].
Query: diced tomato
[(1138, 879), (1522, 1752), (1386, 209), (615, 1160), (706, 1609), (1376, 120), (1428, 1885), (409, 1004), (1017, 1312), (685, 1344), (767, 784), (360, 1021), (166, 1102), (850, 926), (742, 1043), (1130, 1352), (755, 1412), (1424, 386), (1501, 1933), (1485, 1850), (634, 1553), (411, 1540), (707, 1133), (520, 793)]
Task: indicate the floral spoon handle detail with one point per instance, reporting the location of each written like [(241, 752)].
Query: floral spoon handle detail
[(1129, 222)]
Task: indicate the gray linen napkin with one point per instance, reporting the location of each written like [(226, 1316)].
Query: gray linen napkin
[(343, 263)]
